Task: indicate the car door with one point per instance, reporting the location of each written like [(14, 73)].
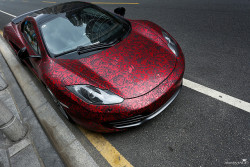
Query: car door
[(32, 45)]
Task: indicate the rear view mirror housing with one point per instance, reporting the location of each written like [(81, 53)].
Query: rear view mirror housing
[(23, 54), (120, 11)]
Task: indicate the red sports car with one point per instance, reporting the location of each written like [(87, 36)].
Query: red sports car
[(106, 73)]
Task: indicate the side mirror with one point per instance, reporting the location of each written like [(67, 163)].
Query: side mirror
[(120, 11), (22, 53)]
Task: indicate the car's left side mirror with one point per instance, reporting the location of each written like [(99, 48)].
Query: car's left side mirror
[(120, 11), (22, 53)]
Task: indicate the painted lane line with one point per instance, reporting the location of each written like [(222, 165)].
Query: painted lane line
[(205, 90), (116, 159), (70, 149), (7, 13), (48, 2), (112, 156), (217, 95), (109, 152), (92, 2)]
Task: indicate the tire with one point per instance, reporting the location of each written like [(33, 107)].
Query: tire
[(70, 119), (65, 114)]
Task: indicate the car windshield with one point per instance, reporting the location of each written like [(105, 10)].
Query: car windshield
[(88, 26)]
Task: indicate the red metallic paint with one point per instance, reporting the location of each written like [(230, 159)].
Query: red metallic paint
[(141, 69), (127, 69)]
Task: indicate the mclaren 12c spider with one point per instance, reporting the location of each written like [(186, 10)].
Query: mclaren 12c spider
[(105, 72)]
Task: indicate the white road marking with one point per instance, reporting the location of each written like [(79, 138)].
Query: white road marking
[(207, 91), (217, 95), (7, 13)]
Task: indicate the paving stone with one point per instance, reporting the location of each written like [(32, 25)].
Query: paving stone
[(50, 159), (31, 91), (46, 151), (17, 94), (4, 161), (4, 142), (79, 157), (27, 113), (25, 154), (13, 86), (8, 101), (19, 146), (43, 146), (25, 158), (3, 84)]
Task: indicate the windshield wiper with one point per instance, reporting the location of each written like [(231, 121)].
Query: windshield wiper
[(65, 52), (85, 49)]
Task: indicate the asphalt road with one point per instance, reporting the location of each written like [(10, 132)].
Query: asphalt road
[(195, 130)]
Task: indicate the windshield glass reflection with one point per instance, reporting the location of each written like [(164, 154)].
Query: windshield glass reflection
[(82, 27)]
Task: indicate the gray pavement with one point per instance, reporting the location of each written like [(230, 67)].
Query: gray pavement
[(195, 130), (35, 149), (65, 142)]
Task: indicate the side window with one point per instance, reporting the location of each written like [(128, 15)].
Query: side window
[(30, 35)]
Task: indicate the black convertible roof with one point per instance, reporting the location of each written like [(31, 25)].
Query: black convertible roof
[(56, 9)]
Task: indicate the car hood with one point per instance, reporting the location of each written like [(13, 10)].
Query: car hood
[(131, 68)]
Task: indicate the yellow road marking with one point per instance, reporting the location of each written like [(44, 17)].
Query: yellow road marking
[(48, 2), (114, 158), (121, 3)]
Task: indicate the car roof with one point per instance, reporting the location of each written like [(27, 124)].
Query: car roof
[(42, 14), (63, 7)]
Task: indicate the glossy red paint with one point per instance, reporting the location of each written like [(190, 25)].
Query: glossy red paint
[(127, 69), (141, 69)]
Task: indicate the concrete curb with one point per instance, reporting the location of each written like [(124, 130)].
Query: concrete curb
[(69, 148)]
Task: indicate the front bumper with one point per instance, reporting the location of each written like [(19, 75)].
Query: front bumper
[(129, 113), (140, 119)]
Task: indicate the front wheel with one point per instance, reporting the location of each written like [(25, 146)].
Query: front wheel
[(66, 115)]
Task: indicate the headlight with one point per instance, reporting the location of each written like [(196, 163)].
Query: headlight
[(171, 43), (94, 95)]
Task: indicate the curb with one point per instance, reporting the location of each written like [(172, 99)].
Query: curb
[(68, 147)]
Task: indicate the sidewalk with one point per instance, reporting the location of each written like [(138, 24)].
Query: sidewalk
[(35, 149)]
